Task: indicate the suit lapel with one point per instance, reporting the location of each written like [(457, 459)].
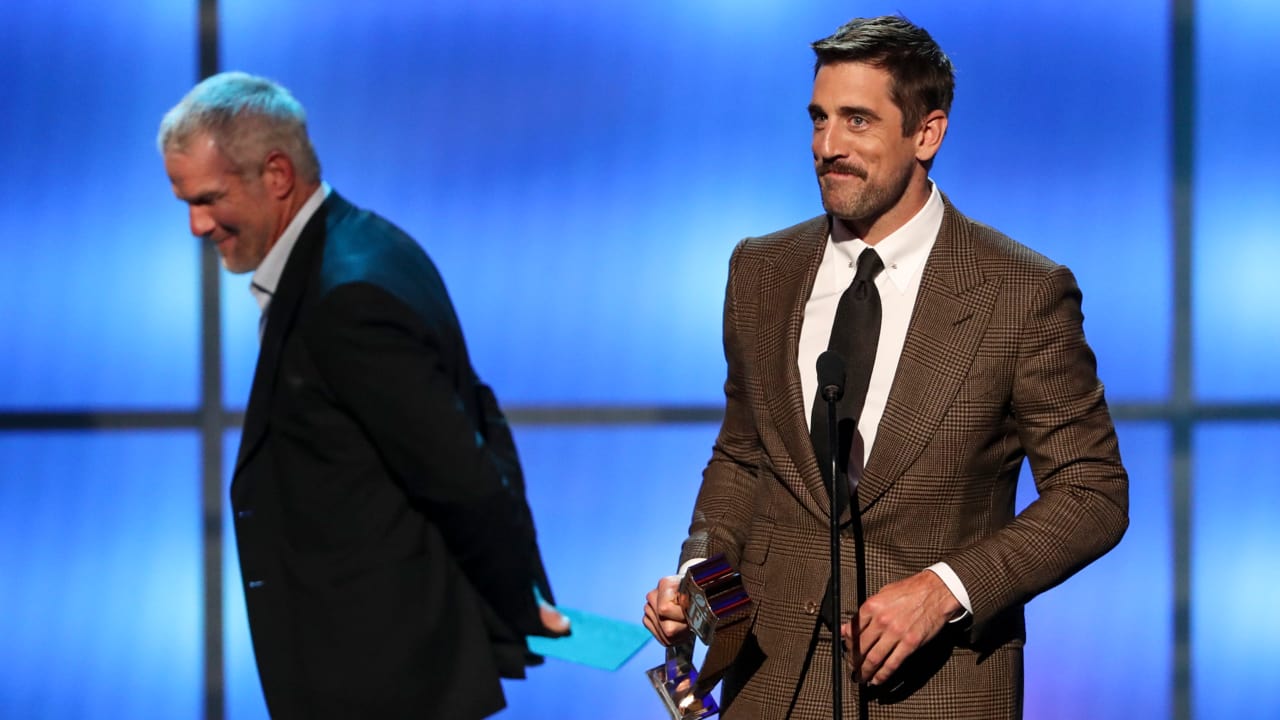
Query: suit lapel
[(947, 325), (785, 287), (281, 314)]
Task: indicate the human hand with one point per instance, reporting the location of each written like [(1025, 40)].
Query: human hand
[(663, 615), (556, 623), (895, 622)]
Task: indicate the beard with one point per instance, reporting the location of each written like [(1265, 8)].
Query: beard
[(864, 200)]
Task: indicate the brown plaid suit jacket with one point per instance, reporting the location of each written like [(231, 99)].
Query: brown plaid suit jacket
[(995, 368)]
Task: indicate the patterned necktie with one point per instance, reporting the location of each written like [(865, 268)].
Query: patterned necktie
[(854, 335)]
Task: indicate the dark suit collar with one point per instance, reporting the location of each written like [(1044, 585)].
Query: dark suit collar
[(301, 267), (267, 277)]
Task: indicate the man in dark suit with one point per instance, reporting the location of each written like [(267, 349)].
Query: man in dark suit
[(386, 547), (969, 357)]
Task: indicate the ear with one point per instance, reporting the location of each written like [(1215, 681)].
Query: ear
[(278, 175), (929, 136)]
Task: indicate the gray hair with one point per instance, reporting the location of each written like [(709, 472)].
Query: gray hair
[(247, 117)]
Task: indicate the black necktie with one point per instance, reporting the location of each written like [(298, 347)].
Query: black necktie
[(854, 335)]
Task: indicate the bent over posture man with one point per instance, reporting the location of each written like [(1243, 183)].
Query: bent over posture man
[(386, 547), (965, 354)]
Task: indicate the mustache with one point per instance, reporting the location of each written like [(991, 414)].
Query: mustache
[(843, 168)]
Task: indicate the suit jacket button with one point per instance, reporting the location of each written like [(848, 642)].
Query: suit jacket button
[(244, 514), (255, 584), (811, 608)]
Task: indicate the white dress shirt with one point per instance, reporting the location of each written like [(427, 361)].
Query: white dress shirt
[(903, 252), (267, 277)]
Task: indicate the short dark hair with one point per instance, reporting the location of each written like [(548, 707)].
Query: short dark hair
[(923, 79)]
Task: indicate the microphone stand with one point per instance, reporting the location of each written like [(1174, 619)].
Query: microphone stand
[(831, 386), (860, 562), (833, 437)]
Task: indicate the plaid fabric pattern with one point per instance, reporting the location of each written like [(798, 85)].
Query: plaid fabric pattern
[(995, 368)]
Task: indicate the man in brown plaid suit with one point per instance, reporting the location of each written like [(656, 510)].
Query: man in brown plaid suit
[(980, 361)]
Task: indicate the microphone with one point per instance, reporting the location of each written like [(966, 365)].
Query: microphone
[(831, 376)]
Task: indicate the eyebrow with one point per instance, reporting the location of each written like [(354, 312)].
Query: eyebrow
[(203, 198), (845, 111), (850, 110)]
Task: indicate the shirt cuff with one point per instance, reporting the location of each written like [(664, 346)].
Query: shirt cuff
[(952, 581), (688, 564)]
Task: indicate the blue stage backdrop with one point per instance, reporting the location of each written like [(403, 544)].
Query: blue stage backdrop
[(580, 172)]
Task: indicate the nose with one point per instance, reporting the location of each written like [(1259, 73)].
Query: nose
[(824, 144), (202, 223)]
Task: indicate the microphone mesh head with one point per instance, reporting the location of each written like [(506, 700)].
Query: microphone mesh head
[(831, 375)]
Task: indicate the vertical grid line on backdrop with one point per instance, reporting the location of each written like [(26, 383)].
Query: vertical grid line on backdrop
[(1183, 97)]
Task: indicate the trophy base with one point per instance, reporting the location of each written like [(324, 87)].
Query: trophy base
[(678, 695)]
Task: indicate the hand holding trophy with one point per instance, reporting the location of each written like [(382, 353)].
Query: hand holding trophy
[(714, 604)]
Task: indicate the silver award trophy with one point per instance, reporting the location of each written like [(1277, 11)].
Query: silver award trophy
[(713, 599)]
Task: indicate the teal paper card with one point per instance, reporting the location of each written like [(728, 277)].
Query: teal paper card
[(595, 641)]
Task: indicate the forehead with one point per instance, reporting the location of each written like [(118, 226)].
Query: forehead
[(196, 164), (852, 84)]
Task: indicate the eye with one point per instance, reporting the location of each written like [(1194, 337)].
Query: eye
[(858, 121), (819, 120), (206, 199)]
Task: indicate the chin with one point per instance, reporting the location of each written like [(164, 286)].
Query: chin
[(235, 265), (839, 207)]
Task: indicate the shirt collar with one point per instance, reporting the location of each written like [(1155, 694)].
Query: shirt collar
[(267, 277), (904, 250)]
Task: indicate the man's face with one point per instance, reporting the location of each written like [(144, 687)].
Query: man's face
[(234, 213), (863, 161)]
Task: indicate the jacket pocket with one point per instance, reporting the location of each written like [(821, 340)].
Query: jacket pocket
[(755, 554)]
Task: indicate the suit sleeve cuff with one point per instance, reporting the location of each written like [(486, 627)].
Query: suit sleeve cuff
[(952, 581)]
